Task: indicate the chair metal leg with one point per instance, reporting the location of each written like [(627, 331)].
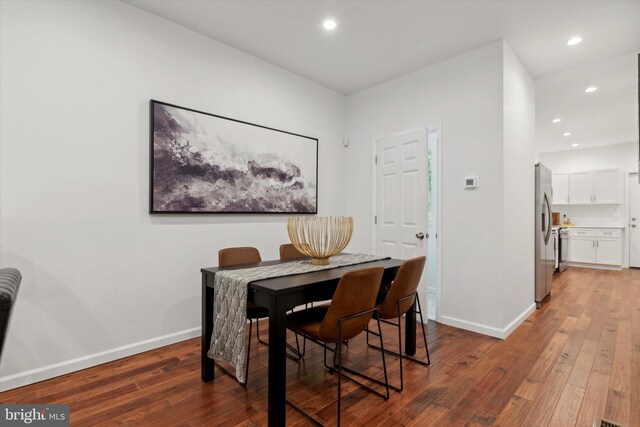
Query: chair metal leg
[(339, 369), (424, 337), (424, 333), (400, 354), (384, 383), (304, 414), (294, 353), (296, 356), (246, 368), (384, 363), (258, 333), (300, 355), (360, 374), (246, 372), (400, 349)]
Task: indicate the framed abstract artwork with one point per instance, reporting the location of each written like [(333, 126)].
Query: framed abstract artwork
[(205, 163)]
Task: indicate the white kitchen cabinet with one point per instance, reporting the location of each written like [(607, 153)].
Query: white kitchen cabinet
[(560, 185), (607, 186), (582, 232), (595, 246), (609, 232), (580, 188), (591, 187), (582, 249), (608, 251)]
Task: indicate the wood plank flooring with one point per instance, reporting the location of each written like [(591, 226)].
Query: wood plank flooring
[(576, 358)]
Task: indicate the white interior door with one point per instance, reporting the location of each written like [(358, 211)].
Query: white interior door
[(401, 197), (634, 221)]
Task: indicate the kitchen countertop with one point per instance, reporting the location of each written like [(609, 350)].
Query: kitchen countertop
[(594, 226)]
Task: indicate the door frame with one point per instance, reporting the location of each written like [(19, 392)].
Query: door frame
[(626, 258), (437, 125)]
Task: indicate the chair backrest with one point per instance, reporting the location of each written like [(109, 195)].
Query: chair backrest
[(405, 284), (238, 256), (288, 251), (356, 292), (10, 279)]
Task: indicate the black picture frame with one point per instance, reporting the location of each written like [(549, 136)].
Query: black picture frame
[(302, 205)]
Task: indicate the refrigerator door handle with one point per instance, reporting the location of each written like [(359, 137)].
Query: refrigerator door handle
[(548, 224)]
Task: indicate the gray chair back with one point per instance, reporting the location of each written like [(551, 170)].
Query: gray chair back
[(10, 279)]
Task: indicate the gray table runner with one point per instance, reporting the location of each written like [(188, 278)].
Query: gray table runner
[(230, 303)]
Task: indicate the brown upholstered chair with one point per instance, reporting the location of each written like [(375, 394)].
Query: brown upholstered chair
[(351, 308), (399, 299), (288, 251), (239, 256)]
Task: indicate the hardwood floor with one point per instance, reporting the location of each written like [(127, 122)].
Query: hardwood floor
[(576, 358)]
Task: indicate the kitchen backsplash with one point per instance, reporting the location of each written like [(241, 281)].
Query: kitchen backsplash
[(592, 214)]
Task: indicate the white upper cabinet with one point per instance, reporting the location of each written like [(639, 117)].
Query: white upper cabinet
[(560, 185), (607, 186), (580, 187), (591, 187)]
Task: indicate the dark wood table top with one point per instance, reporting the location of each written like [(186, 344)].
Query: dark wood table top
[(297, 282)]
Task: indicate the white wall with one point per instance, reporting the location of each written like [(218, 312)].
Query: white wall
[(104, 279), (519, 187), (465, 95), (623, 156), (100, 273)]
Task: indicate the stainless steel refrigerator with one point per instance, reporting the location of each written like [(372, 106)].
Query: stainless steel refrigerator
[(545, 254)]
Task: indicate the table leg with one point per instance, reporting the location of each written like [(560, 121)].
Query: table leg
[(277, 362), (410, 330), (207, 365)]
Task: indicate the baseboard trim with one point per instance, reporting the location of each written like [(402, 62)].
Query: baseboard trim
[(55, 370), (489, 330), (518, 320), (596, 266)]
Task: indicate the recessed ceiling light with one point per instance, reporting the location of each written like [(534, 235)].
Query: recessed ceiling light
[(566, 134), (329, 24), (574, 41), (557, 120), (591, 89), (574, 145)]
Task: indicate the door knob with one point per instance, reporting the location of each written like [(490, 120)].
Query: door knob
[(633, 225), (420, 236)]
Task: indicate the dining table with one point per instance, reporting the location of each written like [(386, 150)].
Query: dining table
[(280, 294)]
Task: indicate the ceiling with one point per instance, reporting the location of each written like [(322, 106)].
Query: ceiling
[(379, 40), (607, 116)]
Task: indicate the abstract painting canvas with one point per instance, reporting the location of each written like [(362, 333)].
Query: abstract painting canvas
[(204, 163)]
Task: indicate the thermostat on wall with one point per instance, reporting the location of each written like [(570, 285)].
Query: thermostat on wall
[(470, 182)]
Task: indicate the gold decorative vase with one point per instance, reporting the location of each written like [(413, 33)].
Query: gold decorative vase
[(320, 237)]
